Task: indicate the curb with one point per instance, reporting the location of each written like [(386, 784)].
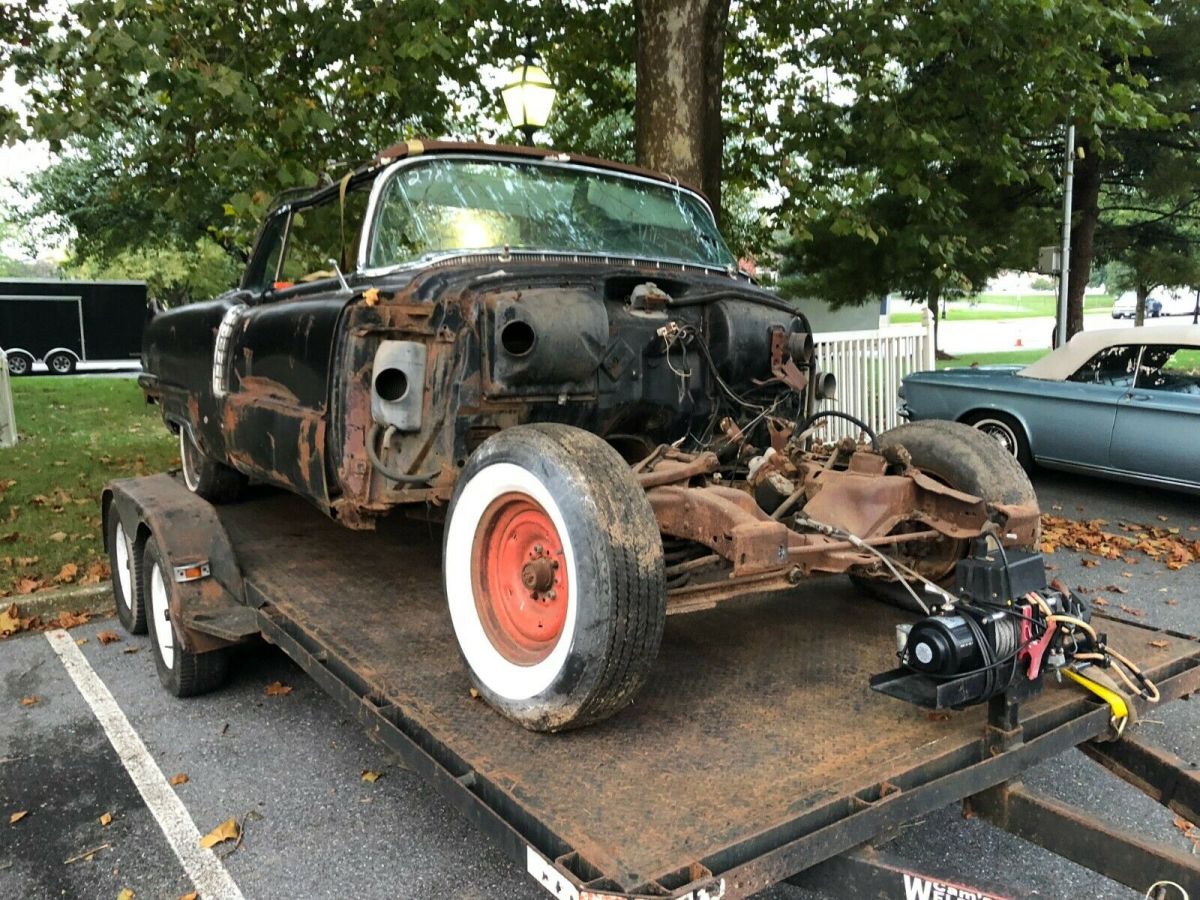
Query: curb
[(95, 599)]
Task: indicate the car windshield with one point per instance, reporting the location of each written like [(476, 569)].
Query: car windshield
[(446, 205)]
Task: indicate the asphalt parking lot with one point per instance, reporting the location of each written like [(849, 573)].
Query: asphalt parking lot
[(289, 768)]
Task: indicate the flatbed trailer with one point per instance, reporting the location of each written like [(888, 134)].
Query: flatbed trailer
[(756, 754)]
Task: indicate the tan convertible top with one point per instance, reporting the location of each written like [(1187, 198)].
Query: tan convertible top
[(1063, 362)]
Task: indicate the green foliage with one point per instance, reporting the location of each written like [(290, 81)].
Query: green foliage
[(930, 157), (173, 276), (1149, 228)]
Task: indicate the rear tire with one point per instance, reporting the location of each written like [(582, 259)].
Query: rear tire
[(204, 476), (183, 674), (965, 459), (126, 565), (553, 567), (60, 363)]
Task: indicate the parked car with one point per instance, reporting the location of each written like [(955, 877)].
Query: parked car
[(1125, 306), (1120, 403), (559, 357)]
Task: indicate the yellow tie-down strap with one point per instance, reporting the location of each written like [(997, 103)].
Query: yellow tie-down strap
[(1114, 699)]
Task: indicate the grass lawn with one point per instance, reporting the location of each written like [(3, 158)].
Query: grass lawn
[(1000, 306), (1014, 357), (75, 435)]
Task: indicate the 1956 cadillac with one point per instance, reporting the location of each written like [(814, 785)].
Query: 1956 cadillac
[(559, 357)]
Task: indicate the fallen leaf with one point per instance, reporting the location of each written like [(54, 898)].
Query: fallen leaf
[(1099, 601), (1159, 644), (1132, 610), (936, 716), (371, 296), (179, 779), (58, 537), (192, 896), (126, 894), (226, 831), (474, 694), (1088, 563), (17, 817), (107, 637), (106, 819), (277, 689), (10, 620), (28, 585), (31, 700), (67, 573), (1126, 574), (131, 650), (1163, 518), (370, 777), (1171, 602), (71, 620)]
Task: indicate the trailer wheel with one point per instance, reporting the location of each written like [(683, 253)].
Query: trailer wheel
[(19, 364), (553, 567), (968, 460), (126, 568), (183, 674), (203, 475), (60, 363)]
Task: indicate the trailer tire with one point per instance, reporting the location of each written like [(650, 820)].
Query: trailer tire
[(19, 363), (125, 563), (183, 674), (204, 476), (965, 459), (60, 363), (553, 567)]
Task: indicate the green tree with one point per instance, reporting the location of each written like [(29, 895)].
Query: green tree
[(935, 143)]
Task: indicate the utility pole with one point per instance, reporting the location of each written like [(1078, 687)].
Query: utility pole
[(1064, 277)]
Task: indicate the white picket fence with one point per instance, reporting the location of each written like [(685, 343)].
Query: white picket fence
[(8, 421), (869, 366)]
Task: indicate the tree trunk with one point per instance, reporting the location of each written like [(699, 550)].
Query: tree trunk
[(680, 75), (1139, 316), (1086, 213)]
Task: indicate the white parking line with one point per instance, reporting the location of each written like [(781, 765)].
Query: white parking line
[(209, 875)]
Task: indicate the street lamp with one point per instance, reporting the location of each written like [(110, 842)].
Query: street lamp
[(528, 97)]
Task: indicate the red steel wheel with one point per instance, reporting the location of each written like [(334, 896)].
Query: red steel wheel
[(519, 573)]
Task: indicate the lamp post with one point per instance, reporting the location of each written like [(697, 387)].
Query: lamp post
[(528, 97)]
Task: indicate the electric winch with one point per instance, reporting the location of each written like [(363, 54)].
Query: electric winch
[(1001, 630)]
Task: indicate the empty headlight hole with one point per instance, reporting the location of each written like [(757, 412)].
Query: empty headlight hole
[(391, 384), (517, 337)]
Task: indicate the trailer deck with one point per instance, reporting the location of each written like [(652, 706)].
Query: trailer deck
[(755, 752)]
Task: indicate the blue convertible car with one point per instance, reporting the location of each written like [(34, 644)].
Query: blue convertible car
[(1120, 403)]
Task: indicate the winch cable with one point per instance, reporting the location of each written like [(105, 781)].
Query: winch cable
[(892, 565)]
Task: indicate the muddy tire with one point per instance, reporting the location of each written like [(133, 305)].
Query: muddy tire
[(125, 562), (204, 476), (553, 568), (965, 459), (183, 674)]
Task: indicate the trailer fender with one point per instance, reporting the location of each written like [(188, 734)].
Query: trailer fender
[(207, 604)]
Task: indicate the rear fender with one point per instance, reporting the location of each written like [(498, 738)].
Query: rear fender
[(188, 532)]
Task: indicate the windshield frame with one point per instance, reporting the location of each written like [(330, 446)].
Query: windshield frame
[(385, 177)]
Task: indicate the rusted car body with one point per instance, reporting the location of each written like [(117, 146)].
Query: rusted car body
[(366, 380)]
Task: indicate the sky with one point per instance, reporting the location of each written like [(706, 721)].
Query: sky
[(16, 162)]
